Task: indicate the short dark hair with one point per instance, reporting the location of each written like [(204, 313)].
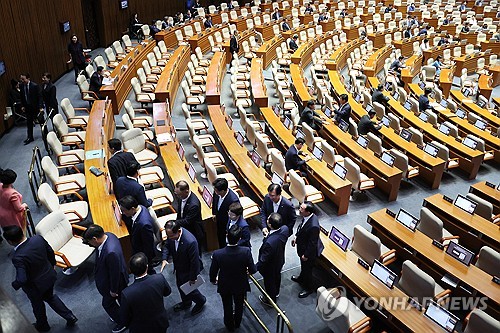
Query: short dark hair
[(401, 57), (426, 40), (100, 68), (274, 187), (372, 111), (344, 97), (182, 185), (13, 233), (275, 221), (310, 102), (92, 231), (300, 141), (47, 75), (380, 87), (309, 207), (27, 75), (173, 225), (128, 202), (8, 176), (427, 90), (236, 208), (233, 234), (115, 144), (138, 264), (221, 184), (133, 168), (438, 57)]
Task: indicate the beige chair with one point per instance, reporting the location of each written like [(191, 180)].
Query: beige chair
[(375, 143), (360, 182), (444, 154), (148, 134), (488, 154), (369, 247), (428, 74), (69, 250), (134, 141), (432, 226), (302, 191), (401, 162), (64, 158), (311, 140), (416, 136), (72, 119), (66, 137), (479, 321), (142, 122), (191, 100), (262, 147), (379, 109), (162, 198), (212, 174), (65, 184), (278, 165), (488, 260), (146, 85), (140, 96), (419, 285), (85, 92), (394, 122), (214, 157), (111, 56), (484, 208), (194, 89), (76, 211), (199, 124), (348, 317), (205, 140), (330, 155)]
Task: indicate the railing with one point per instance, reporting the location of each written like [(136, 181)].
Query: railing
[(36, 176), (281, 318), (30, 226)]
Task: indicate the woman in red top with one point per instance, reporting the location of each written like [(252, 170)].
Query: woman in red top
[(12, 208)]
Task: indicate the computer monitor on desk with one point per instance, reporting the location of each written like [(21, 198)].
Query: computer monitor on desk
[(460, 253), (192, 172), (207, 196), (481, 124), (181, 151), (445, 319), (407, 105), (288, 123), (388, 158), (318, 152), (256, 159), (362, 141), (328, 112), (423, 116), (300, 134), (240, 138), (444, 129), (460, 113), (383, 274), (407, 219), (339, 238), (431, 149), (340, 171), (276, 179), (386, 121), (470, 143), (465, 204), (229, 121), (406, 134), (343, 125)]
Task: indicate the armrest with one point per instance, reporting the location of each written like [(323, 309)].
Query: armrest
[(82, 109), (93, 94), (69, 166), (385, 255), (67, 212), (362, 322), (449, 238), (63, 257), (78, 227), (439, 298), (145, 119), (147, 95), (74, 193), (197, 113), (68, 153), (152, 144), (69, 182), (80, 118)]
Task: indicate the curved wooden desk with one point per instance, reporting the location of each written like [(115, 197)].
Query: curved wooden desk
[(267, 51), (487, 193), (259, 90), (375, 63), (173, 74), (216, 72), (470, 106)]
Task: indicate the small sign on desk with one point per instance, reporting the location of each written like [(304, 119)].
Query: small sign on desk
[(93, 154), (164, 138)]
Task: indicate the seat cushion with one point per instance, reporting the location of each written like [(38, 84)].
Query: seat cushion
[(365, 182), (79, 178), (151, 175), (145, 156), (71, 157), (161, 195), (75, 251), (250, 208), (384, 249), (80, 121), (81, 207), (313, 195)]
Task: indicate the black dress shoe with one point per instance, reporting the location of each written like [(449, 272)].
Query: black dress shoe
[(305, 293), (41, 328), (181, 306), (264, 301), (296, 278), (28, 141), (197, 308), (71, 321)]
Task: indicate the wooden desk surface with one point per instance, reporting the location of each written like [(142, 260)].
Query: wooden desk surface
[(338, 59), (216, 72), (470, 106), (446, 80), (299, 85), (480, 231), (467, 61), (420, 245), (376, 61), (485, 85), (259, 90), (267, 51), (125, 71), (201, 40), (266, 30), (303, 55), (333, 187), (363, 284), (168, 35), (173, 74), (495, 75), (487, 193)]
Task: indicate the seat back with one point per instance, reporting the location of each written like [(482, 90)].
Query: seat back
[(261, 147), (430, 224), (453, 129), (488, 260), (54, 143), (50, 170), (394, 122), (480, 142), (110, 54), (479, 321), (48, 198), (416, 136), (55, 229), (337, 304), (416, 283), (366, 245), (297, 186), (278, 163), (353, 172), (443, 152), (60, 125), (328, 153), (211, 171), (129, 109), (118, 47), (401, 161), (308, 135), (374, 143), (133, 140), (127, 122), (483, 208)]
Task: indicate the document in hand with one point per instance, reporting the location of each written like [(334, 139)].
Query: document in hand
[(187, 288)]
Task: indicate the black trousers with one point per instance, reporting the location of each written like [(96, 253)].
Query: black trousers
[(112, 308), (305, 277), (38, 300), (272, 283), (232, 321), (30, 121), (221, 233)]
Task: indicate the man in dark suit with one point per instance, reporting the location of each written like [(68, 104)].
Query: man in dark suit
[(119, 160), (292, 159), (228, 271), (31, 101), (142, 306), (208, 23), (223, 197), (189, 212), (285, 26), (49, 96), (344, 111), (236, 218), (309, 246), (34, 261), (141, 229), (407, 33), (311, 117), (378, 95), (275, 203), (96, 81), (272, 256), (129, 185), (423, 100), (233, 46), (366, 125), (292, 44), (111, 275), (182, 246), (276, 14)]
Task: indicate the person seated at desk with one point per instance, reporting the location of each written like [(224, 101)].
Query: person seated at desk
[(367, 125), (478, 3), (292, 159), (463, 6), (343, 13), (179, 18), (292, 44), (96, 81), (423, 100), (443, 40), (447, 20), (465, 28), (208, 23), (423, 31), (285, 26), (309, 9), (485, 28), (388, 9), (424, 46), (397, 65), (407, 33), (411, 8), (188, 17), (323, 16), (344, 111), (276, 15), (378, 96), (439, 65), (310, 117)]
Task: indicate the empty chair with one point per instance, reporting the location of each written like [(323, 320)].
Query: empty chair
[(484, 208), (215, 158), (330, 156), (416, 136), (127, 42), (488, 154), (65, 184), (69, 250), (419, 285), (488, 260), (278, 164), (394, 122), (67, 138), (140, 96), (137, 121), (379, 109), (191, 100), (401, 162), (311, 140), (64, 158), (76, 211), (369, 247), (479, 321), (212, 174), (120, 52), (261, 146), (348, 317), (444, 154), (134, 141), (302, 191), (200, 123), (110, 54), (375, 143), (432, 226), (148, 134), (360, 181)]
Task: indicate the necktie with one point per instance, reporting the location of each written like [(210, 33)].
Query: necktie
[(27, 91), (300, 225)]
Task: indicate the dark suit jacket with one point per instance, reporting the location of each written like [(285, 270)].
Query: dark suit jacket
[(221, 213), (233, 45), (34, 261), (208, 24), (407, 34), (307, 241), (31, 99), (191, 219), (307, 116), (379, 97), (186, 259), (292, 159), (344, 113), (95, 83), (366, 126), (285, 209), (117, 165), (293, 45), (423, 103), (275, 16), (272, 251), (142, 234), (110, 267), (126, 186), (142, 307), (231, 264), (49, 96), (285, 26), (245, 231)]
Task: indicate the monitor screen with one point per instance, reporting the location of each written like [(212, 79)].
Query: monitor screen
[(480, 103), (368, 108), (388, 158), (318, 152), (65, 26), (470, 143), (339, 238), (357, 97), (229, 121), (406, 134), (343, 125), (192, 172), (123, 4), (444, 103), (407, 105), (2, 68), (460, 113), (160, 122), (277, 110), (386, 121), (481, 124), (423, 116), (299, 134), (328, 112), (384, 274), (207, 196), (362, 141), (463, 203), (277, 179), (407, 219), (181, 151), (467, 92), (340, 171), (387, 85), (441, 316), (421, 85), (240, 138), (256, 158), (396, 96), (444, 129), (431, 149), (460, 253)]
